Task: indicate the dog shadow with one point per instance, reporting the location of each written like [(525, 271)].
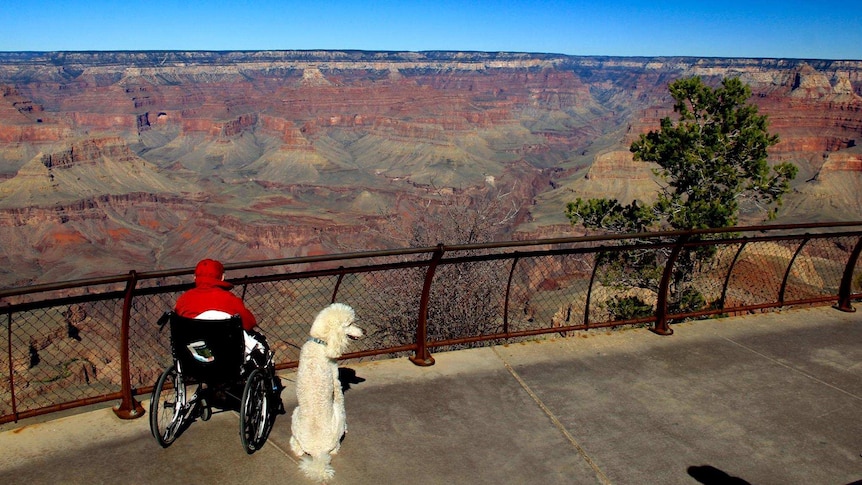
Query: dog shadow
[(348, 376)]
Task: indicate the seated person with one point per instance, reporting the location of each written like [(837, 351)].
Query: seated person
[(211, 299)]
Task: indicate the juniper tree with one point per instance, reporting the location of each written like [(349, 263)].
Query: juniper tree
[(711, 161)]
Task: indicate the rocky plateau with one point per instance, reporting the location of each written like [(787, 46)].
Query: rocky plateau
[(112, 161)]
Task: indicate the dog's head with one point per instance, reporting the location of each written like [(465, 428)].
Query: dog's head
[(334, 325)]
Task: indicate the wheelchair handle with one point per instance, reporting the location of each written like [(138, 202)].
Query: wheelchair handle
[(163, 320)]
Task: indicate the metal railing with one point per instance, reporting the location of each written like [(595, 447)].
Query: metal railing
[(89, 341)]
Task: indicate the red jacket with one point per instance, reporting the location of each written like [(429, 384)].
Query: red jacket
[(212, 294)]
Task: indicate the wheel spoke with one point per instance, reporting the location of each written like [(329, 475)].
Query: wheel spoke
[(255, 419), (169, 410)]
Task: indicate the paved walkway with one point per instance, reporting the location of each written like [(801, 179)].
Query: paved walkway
[(763, 399)]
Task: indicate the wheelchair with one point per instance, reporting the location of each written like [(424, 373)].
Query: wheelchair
[(210, 369)]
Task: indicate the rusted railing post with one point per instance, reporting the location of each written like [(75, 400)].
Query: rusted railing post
[(11, 365), (783, 289), (729, 273), (515, 259), (661, 326), (847, 280), (422, 357), (597, 260), (337, 283), (129, 408)]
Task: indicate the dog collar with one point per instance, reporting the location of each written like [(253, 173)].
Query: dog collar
[(317, 341)]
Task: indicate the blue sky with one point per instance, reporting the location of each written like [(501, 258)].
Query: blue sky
[(728, 28)]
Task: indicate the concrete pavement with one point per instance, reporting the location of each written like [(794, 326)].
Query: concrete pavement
[(763, 399)]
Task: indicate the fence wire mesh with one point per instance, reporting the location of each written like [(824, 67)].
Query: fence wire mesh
[(63, 353), (467, 300), (67, 350), (386, 304), (285, 310), (550, 291)]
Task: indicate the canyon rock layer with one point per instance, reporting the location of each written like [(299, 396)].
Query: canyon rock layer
[(111, 161)]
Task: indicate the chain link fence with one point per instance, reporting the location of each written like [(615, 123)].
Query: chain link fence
[(93, 341)]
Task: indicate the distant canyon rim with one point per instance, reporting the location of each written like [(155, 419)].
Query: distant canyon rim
[(112, 161)]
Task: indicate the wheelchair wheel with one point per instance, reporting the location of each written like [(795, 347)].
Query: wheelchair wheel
[(255, 418), (168, 407)]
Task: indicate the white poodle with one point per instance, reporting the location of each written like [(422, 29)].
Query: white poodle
[(319, 421)]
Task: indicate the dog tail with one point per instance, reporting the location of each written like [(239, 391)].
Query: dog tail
[(317, 467)]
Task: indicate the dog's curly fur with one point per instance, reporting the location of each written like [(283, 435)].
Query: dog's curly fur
[(319, 421)]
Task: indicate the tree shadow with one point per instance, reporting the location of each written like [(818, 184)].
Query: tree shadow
[(710, 475), (348, 376)]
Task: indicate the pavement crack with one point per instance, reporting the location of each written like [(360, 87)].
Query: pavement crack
[(559, 425), (284, 452), (794, 369), (822, 415)]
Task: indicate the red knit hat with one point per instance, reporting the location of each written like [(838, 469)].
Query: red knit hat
[(210, 271)]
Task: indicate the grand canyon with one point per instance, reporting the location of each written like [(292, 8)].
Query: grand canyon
[(112, 161)]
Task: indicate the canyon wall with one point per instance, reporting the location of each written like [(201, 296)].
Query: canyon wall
[(111, 161)]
